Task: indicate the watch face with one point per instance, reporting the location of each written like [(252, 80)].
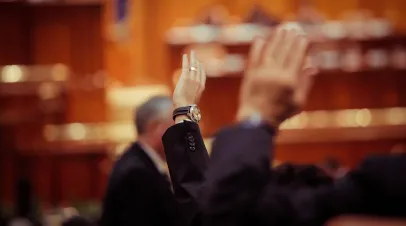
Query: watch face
[(195, 113)]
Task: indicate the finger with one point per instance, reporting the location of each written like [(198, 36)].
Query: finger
[(297, 58), (198, 73), (203, 77), (193, 65), (310, 71), (255, 52), (269, 53), (309, 67), (305, 83), (286, 46), (185, 66)]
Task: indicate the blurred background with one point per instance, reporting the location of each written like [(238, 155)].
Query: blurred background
[(72, 71)]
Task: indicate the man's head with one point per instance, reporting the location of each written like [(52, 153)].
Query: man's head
[(152, 119)]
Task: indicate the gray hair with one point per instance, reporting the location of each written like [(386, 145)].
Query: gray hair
[(155, 108)]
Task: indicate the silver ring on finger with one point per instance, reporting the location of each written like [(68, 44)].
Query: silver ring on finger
[(193, 69)]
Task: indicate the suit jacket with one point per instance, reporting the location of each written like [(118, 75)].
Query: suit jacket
[(138, 194), (187, 159), (241, 190)]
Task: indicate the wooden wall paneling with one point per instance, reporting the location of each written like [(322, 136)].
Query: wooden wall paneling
[(88, 59), (68, 34), (51, 40), (278, 8), (14, 40), (8, 176), (8, 160), (364, 91), (329, 92), (75, 183), (395, 12), (226, 102), (101, 169), (391, 9), (41, 176), (72, 35), (117, 58), (160, 16), (401, 84), (240, 8), (125, 60), (138, 48), (335, 9), (87, 33), (383, 91), (63, 179), (377, 7)]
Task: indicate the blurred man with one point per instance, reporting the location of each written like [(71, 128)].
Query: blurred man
[(239, 186), (139, 192)]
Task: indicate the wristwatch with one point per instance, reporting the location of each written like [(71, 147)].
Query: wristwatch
[(191, 111)]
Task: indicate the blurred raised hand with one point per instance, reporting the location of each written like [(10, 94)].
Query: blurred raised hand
[(191, 82), (278, 77)]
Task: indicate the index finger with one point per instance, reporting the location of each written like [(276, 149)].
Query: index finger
[(270, 51), (255, 52), (202, 76), (185, 66), (297, 57)]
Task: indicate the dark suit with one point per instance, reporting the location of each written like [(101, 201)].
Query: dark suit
[(240, 189), (138, 194), (187, 160)]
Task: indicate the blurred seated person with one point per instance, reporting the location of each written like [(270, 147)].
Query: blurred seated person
[(20, 222), (297, 176), (69, 212), (333, 167), (77, 221), (139, 190), (352, 220)]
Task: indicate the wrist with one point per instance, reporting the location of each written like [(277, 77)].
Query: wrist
[(256, 121), (186, 112), (253, 114), (179, 104), (181, 118)]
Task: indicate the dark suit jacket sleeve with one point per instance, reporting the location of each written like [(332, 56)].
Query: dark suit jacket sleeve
[(144, 199), (239, 191), (238, 170), (187, 160)]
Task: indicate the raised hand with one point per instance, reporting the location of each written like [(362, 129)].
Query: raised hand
[(191, 83), (278, 77)]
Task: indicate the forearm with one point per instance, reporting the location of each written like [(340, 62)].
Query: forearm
[(239, 167), (187, 160)]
